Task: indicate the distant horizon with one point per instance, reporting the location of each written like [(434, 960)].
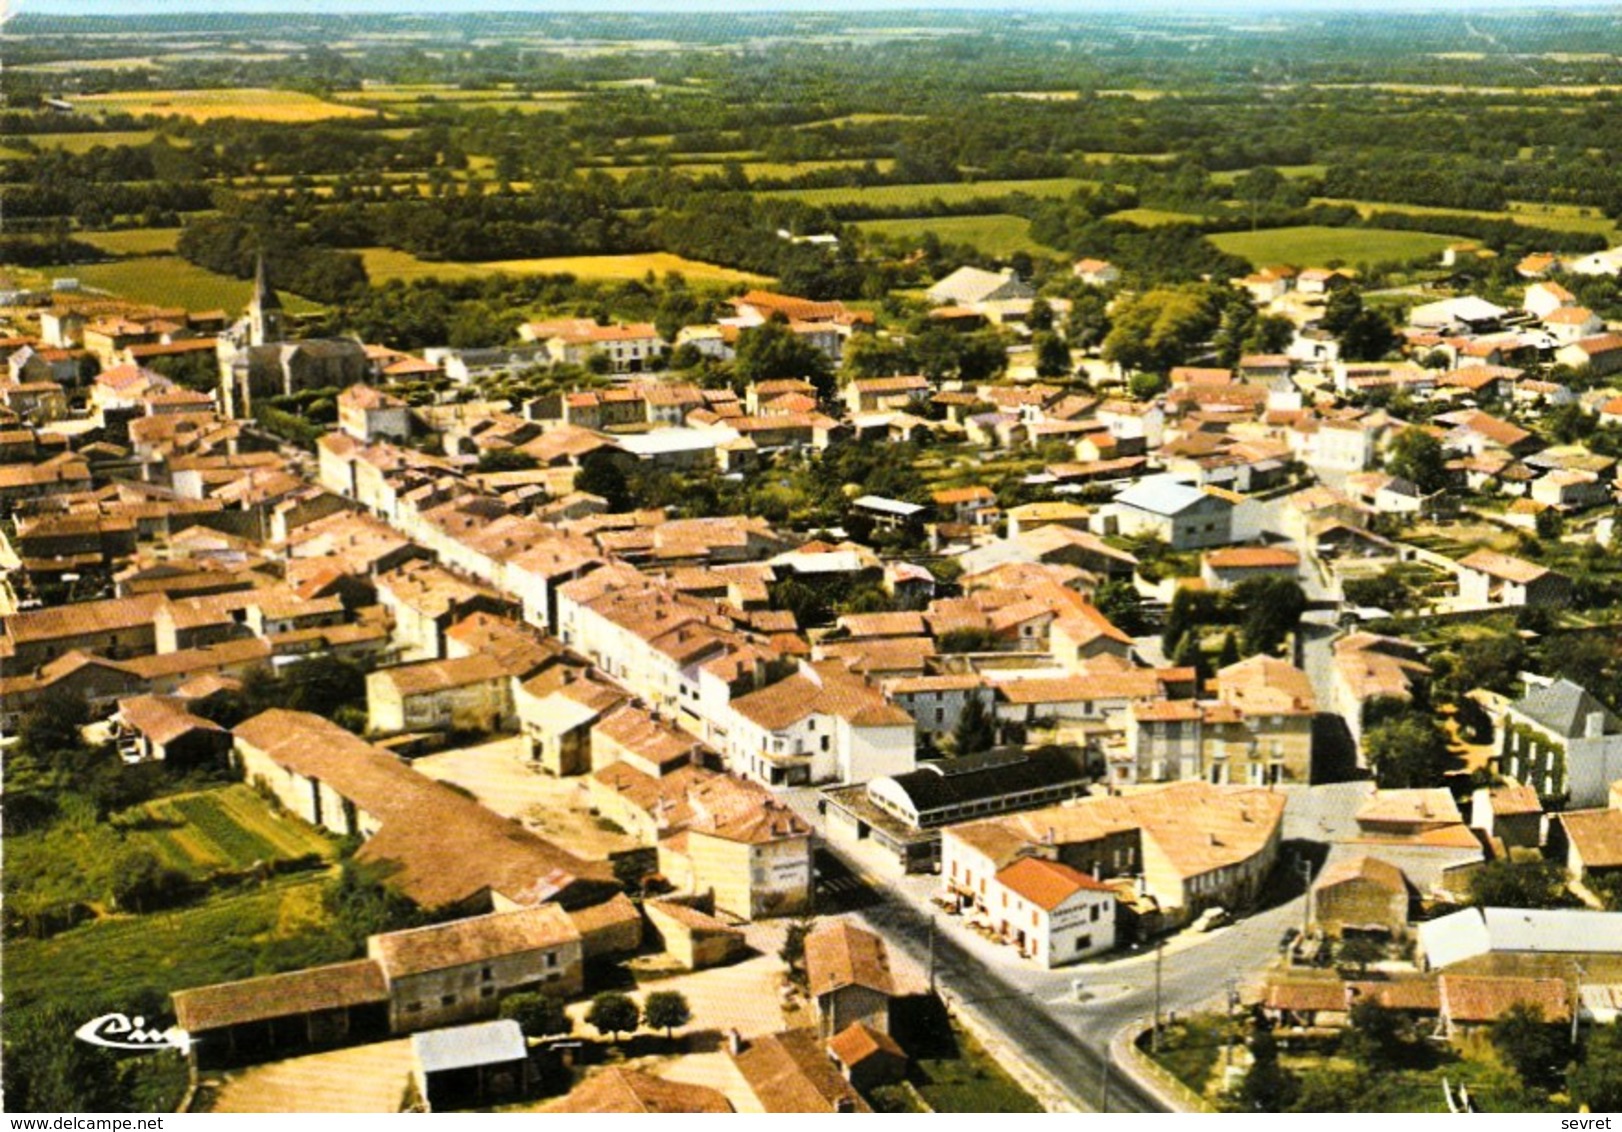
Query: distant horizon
[(126, 8)]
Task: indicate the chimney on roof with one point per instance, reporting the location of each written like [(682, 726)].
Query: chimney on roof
[(1594, 725), (735, 1044)]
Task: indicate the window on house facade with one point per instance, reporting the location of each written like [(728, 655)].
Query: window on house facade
[(447, 1000), (551, 959)]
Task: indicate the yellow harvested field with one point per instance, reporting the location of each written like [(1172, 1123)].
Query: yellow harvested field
[(85, 142), (206, 105), (623, 267), (383, 264)]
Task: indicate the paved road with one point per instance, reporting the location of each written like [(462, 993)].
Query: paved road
[(1037, 1010), (1066, 1046)]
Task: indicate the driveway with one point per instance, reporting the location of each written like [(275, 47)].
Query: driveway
[(369, 1078)]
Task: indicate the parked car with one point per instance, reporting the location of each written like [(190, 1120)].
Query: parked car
[(1211, 919)]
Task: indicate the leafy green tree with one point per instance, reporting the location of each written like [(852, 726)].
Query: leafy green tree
[(1360, 951), (1163, 327), (1146, 386), (1550, 524), (1536, 1048), (1191, 654), (772, 351), (1376, 1034), (1272, 611), (46, 1070), (613, 1013), (600, 474), (665, 1010), (1408, 751), (1596, 1081), (1041, 315), (1519, 884), (1230, 650), (506, 460), (1364, 335), (1417, 456), (538, 1015), (1121, 604), (50, 732), (975, 731), (362, 906), (792, 953), (1052, 355), (141, 882), (1268, 1087), (1088, 322), (1387, 590), (1326, 1089)]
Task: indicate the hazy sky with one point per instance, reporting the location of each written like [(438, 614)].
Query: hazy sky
[(130, 7)]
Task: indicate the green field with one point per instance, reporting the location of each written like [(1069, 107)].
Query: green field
[(225, 937), (950, 192), (1154, 217), (1561, 217), (1317, 246), (754, 170), (1290, 172), (998, 234), (383, 264), (134, 241), (170, 281), (230, 829)]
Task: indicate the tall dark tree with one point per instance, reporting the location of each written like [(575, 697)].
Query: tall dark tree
[(976, 731)]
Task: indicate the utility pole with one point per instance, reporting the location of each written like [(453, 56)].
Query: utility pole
[(1160, 951), (932, 953), (1576, 1000), (1227, 1045), (1103, 1103), (1304, 863)]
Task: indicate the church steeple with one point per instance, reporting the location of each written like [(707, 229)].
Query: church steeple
[(264, 308)]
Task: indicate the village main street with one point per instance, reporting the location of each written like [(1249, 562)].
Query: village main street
[(1064, 1021)]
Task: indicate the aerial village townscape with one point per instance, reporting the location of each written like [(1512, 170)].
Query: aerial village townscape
[(1049, 563)]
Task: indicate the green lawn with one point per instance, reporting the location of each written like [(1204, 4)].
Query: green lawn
[(997, 234), (950, 192), (1315, 246), (170, 281), (134, 241), (970, 1082)]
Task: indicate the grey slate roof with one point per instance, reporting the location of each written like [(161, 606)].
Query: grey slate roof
[(1564, 707)]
